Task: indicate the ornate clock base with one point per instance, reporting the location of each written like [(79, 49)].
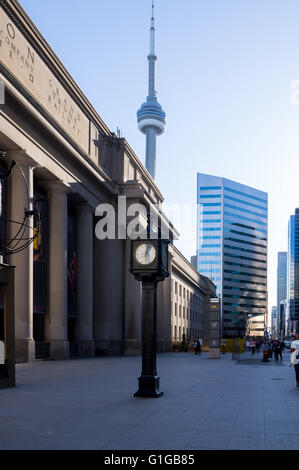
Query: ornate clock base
[(148, 387)]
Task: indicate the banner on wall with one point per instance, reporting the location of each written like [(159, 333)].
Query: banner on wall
[(72, 266), (40, 256)]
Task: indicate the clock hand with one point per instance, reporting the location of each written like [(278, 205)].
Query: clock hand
[(147, 252)]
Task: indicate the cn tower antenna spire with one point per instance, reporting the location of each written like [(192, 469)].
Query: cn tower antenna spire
[(153, 31), (153, 14), (150, 117)]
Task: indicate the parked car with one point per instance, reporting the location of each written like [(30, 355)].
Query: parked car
[(287, 344)]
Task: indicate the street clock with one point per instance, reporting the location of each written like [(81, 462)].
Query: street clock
[(149, 264)]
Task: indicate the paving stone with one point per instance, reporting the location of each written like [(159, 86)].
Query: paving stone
[(278, 426), (281, 441), (246, 441), (207, 404)]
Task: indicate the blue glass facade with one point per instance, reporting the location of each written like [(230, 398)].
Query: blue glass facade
[(293, 273), (232, 248), (281, 287)]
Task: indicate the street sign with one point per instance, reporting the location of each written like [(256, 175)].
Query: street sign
[(214, 328)]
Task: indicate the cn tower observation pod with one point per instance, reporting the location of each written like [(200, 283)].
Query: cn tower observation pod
[(151, 115)]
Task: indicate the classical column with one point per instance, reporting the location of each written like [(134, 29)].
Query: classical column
[(108, 296), (161, 297), (84, 284), (56, 320), (168, 304), (20, 198), (132, 307)]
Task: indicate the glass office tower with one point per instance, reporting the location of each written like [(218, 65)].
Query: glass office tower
[(293, 273), (232, 249), (281, 284)]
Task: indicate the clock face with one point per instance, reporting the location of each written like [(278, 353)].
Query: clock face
[(145, 253)]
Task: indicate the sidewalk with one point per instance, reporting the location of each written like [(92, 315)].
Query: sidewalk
[(207, 404)]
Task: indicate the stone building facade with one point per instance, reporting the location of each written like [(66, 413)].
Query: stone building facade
[(190, 293), (74, 295)]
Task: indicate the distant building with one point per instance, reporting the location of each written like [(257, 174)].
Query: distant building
[(293, 272), (193, 261), (281, 281), (191, 294), (232, 249), (274, 320), (283, 317), (255, 326)]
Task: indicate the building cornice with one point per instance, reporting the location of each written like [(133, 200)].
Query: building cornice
[(18, 15)]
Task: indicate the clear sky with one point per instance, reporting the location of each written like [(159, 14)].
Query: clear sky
[(225, 73)]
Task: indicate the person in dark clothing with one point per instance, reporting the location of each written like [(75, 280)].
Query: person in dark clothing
[(277, 349), (197, 347), (280, 349)]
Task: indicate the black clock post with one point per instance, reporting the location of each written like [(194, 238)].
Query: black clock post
[(149, 264)]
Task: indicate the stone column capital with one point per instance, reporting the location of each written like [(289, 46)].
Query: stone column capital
[(21, 158), (56, 187), (84, 207)]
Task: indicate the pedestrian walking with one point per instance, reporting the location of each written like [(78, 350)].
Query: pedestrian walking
[(280, 349), (275, 348), (195, 345), (198, 347), (294, 361)]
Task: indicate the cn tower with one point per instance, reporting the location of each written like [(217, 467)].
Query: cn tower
[(150, 117)]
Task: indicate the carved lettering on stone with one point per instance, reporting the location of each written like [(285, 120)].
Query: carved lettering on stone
[(94, 142), (26, 65)]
